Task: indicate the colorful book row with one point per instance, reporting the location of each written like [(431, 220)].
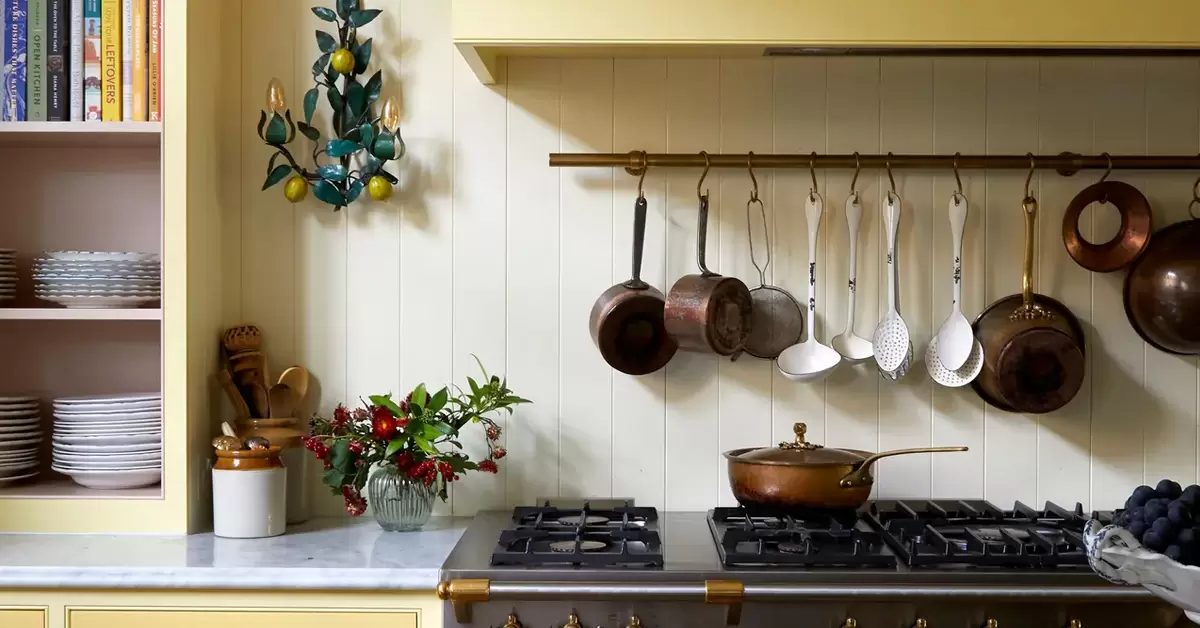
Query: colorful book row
[(82, 60)]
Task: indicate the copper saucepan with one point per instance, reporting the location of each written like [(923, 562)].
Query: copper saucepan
[(800, 475), (1033, 346), (707, 312)]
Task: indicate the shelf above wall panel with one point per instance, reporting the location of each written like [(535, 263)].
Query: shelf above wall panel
[(63, 314), (80, 134)]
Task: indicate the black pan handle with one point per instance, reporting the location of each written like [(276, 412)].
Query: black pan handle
[(702, 237), (639, 240)]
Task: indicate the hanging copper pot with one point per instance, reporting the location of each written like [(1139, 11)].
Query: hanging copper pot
[(1162, 289), (1033, 346), (1131, 239)]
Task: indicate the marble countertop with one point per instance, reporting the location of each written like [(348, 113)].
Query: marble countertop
[(321, 554)]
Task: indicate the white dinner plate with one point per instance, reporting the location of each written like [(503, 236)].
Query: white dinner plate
[(21, 423), (101, 256), (99, 303), (24, 443), (16, 478), (17, 414), (19, 431), (111, 439), (108, 449), (108, 417), (59, 464), (23, 457), (108, 409), (107, 458), (9, 406), (15, 468), (115, 479), (85, 430), (109, 422), (16, 400), (107, 399)]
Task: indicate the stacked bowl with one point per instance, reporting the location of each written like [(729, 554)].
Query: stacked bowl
[(8, 275), (86, 279), (20, 436), (109, 442)]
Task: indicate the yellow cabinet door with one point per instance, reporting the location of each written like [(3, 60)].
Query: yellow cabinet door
[(22, 618), (196, 618)]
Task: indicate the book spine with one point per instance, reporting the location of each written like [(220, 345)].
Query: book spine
[(35, 67), (75, 61), (154, 75), (126, 59), (14, 60), (110, 59), (56, 62), (139, 61), (93, 98)]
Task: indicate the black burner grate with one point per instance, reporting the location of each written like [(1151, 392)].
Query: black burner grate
[(977, 533), (610, 534), (815, 539)]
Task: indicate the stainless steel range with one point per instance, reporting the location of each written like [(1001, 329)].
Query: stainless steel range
[(893, 564)]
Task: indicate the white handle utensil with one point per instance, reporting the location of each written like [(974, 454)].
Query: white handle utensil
[(854, 348)]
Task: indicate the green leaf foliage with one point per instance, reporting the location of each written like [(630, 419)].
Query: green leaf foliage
[(309, 131), (345, 7), (336, 102), (385, 146), (276, 130), (355, 190), (326, 192), (332, 172), (341, 457), (340, 148), (438, 401), (319, 65), (326, 42), (386, 401), (362, 18), (366, 134), (334, 479), (324, 14), (356, 97), (374, 84), (419, 397), (276, 175), (362, 57), (395, 445), (310, 104)]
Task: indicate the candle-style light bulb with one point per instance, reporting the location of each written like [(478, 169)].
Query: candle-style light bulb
[(276, 103), (389, 117)]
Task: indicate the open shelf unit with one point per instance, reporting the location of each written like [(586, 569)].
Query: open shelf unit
[(63, 314), (80, 134)]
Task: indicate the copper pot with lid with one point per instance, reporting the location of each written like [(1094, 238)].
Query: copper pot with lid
[(800, 475)]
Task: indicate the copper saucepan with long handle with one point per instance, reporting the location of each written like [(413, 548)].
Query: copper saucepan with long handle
[(800, 476)]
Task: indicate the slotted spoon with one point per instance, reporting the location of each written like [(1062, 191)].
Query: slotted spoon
[(893, 348), (810, 360), (961, 376), (956, 339), (854, 348)]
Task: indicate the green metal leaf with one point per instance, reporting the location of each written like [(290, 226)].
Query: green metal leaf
[(325, 41), (332, 172), (262, 122), (356, 97), (374, 84), (385, 146), (340, 148), (309, 131), (310, 104), (319, 65), (335, 99), (276, 130), (362, 18), (355, 135), (328, 193), (362, 57), (277, 174), (356, 188), (389, 176), (344, 7), (324, 14), (366, 134)]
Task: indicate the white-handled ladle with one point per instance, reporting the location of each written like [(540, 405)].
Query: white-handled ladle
[(854, 348), (956, 339), (810, 360)]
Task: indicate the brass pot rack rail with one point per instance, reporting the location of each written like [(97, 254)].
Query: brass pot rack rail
[(1066, 164)]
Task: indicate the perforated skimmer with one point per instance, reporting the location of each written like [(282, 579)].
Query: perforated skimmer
[(778, 319), (893, 347)]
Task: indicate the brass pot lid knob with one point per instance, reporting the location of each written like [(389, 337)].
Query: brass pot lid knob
[(850, 623), (1074, 623), (512, 622), (799, 429), (634, 622), (920, 623), (572, 621), (991, 623)]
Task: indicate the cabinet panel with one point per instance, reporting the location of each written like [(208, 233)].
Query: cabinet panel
[(154, 618), (23, 618)]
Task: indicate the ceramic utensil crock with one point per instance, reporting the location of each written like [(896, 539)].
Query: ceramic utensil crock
[(249, 493)]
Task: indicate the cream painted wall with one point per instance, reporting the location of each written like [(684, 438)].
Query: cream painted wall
[(487, 251)]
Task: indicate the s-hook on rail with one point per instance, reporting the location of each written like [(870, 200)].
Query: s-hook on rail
[(1066, 164)]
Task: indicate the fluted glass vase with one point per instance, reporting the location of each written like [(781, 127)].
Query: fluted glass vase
[(399, 503)]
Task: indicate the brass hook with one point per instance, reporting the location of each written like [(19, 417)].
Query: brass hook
[(753, 180), (1029, 177), (642, 175), (707, 163), (812, 192), (1107, 171), (854, 179), (957, 180), (888, 164)]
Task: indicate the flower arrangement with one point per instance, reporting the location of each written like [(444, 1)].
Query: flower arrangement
[(419, 435)]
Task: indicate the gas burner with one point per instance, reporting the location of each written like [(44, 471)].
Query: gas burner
[(610, 533), (813, 539), (591, 520), (977, 533), (584, 546)]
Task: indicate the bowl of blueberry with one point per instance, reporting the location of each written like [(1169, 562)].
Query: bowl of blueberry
[(1153, 542)]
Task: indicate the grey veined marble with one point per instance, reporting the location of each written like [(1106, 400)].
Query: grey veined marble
[(321, 554)]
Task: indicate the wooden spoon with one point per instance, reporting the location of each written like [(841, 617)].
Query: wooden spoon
[(296, 378), (259, 401), (282, 401), (235, 396)]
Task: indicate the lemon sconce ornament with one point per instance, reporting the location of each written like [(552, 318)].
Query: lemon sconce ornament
[(361, 142)]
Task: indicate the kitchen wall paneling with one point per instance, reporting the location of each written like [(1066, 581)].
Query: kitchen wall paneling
[(486, 251)]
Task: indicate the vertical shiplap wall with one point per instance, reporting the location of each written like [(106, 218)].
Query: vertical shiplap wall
[(486, 251)]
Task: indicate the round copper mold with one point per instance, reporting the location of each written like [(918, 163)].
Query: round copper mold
[(1131, 239)]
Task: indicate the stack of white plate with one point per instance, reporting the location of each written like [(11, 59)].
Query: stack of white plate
[(109, 442), (85, 279), (20, 435), (8, 275)]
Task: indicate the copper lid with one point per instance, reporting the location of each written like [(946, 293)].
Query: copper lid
[(801, 453)]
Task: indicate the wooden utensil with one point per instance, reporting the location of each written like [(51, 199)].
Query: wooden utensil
[(296, 377), (235, 396), (282, 401), (260, 403)]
